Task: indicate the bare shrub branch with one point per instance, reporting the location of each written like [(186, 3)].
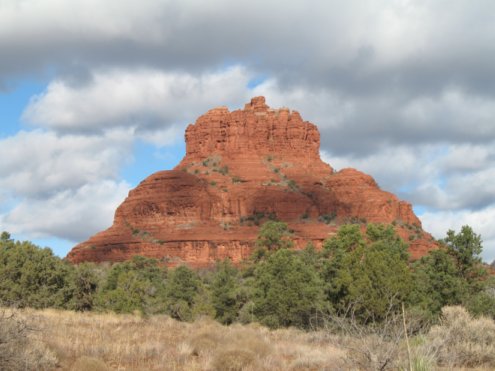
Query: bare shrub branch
[(372, 344)]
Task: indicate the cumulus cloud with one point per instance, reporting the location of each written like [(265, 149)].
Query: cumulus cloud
[(147, 100), (410, 47), (431, 175), (73, 215), (482, 222), (459, 191), (372, 124), (395, 168), (61, 185), (37, 164)]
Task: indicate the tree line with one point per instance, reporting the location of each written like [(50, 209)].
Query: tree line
[(363, 273)]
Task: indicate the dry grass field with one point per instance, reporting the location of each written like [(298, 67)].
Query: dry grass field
[(64, 340), (89, 341)]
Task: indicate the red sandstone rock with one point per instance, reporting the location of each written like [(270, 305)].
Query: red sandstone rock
[(240, 168)]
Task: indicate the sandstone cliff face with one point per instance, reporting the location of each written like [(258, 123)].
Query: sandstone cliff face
[(242, 168)]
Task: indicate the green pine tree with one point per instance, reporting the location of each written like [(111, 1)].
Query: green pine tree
[(225, 292), (287, 292)]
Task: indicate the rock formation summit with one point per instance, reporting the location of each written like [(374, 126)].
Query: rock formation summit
[(241, 169)]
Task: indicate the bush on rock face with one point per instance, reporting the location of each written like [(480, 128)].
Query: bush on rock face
[(274, 235)]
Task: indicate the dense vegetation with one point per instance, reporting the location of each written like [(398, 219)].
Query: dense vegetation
[(366, 275)]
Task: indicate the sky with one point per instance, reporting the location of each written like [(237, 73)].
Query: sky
[(95, 96)]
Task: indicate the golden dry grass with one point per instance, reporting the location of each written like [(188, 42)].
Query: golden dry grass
[(100, 342), (84, 341), (461, 340)]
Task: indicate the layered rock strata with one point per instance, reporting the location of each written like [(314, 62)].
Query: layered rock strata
[(242, 168)]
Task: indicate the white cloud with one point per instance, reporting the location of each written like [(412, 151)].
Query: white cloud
[(394, 168), (62, 185), (73, 215), (453, 115), (323, 107), (38, 163), (81, 19), (362, 127), (469, 157), (438, 223), (147, 100), (434, 176), (354, 46)]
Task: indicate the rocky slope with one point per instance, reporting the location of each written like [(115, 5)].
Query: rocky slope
[(242, 168)]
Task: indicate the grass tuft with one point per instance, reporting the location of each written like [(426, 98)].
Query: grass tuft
[(233, 360), (460, 340), (89, 364)]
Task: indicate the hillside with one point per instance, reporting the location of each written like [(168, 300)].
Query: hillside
[(241, 169)]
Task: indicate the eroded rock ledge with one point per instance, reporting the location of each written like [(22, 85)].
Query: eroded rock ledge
[(240, 169)]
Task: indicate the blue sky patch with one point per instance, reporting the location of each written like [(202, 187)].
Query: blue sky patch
[(149, 159), (257, 81), (13, 103)]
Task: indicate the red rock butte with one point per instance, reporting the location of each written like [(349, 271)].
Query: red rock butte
[(241, 169)]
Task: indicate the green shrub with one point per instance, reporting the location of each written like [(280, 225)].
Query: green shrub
[(371, 275), (454, 275), (483, 302), (134, 285), (274, 235), (287, 291), (437, 282), (292, 185), (224, 292), (84, 283), (224, 170), (327, 218), (183, 287), (31, 276)]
